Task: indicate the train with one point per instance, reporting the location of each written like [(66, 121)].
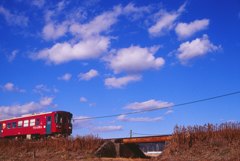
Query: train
[(38, 125)]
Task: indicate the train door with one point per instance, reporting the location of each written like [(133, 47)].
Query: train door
[(48, 125)]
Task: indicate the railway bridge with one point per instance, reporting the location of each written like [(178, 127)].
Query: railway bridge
[(132, 147)]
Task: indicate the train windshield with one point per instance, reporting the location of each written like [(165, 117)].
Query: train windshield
[(63, 118)]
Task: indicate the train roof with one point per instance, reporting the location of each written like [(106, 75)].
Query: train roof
[(29, 115)]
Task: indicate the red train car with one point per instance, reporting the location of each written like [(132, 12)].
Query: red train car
[(37, 125)]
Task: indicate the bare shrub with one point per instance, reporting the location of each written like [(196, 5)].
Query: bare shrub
[(65, 148), (212, 142)]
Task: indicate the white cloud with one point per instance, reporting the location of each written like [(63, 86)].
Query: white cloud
[(31, 107), (185, 30), (134, 59), (12, 56), (139, 119), (65, 77), (131, 8), (38, 3), (46, 101), (48, 14), (92, 42), (61, 5), (120, 82), (65, 52), (103, 22), (92, 104), (13, 18), (196, 48), (53, 31), (89, 75), (99, 24), (81, 122), (10, 87), (107, 128), (83, 99), (41, 89), (150, 104), (165, 21), (168, 112), (86, 123), (135, 12)]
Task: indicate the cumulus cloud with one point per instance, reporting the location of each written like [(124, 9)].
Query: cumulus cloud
[(107, 128), (42, 89), (135, 12), (65, 52), (13, 18), (99, 24), (165, 21), (10, 87), (89, 75), (31, 107), (135, 59), (146, 105), (53, 31), (185, 30), (65, 77), (104, 22), (91, 43), (46, 101), (120, 82), (196, 48), (139, 119)]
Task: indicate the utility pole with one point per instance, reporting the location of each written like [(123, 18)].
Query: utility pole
[(130, 133)]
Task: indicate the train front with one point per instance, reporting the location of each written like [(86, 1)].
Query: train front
[(63, 121)]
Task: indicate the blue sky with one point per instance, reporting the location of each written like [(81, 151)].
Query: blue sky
[(96, 58)]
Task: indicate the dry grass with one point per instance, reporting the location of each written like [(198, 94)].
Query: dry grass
[(197, 143), (208, 142), (49, 149)]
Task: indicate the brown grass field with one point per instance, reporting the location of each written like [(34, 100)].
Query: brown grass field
[(197, 143), (204, 143)]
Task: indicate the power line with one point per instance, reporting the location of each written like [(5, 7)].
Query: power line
[(154, 109)]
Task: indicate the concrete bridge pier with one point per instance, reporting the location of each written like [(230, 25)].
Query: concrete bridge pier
[(114, 149)]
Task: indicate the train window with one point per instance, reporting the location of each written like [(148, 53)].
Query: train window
[(8, 125), (14, 124), (70, 118), (32, 122), (56, 118), (0, 126), (48, 119), (37, 122), (25, 123), (20, 123)]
